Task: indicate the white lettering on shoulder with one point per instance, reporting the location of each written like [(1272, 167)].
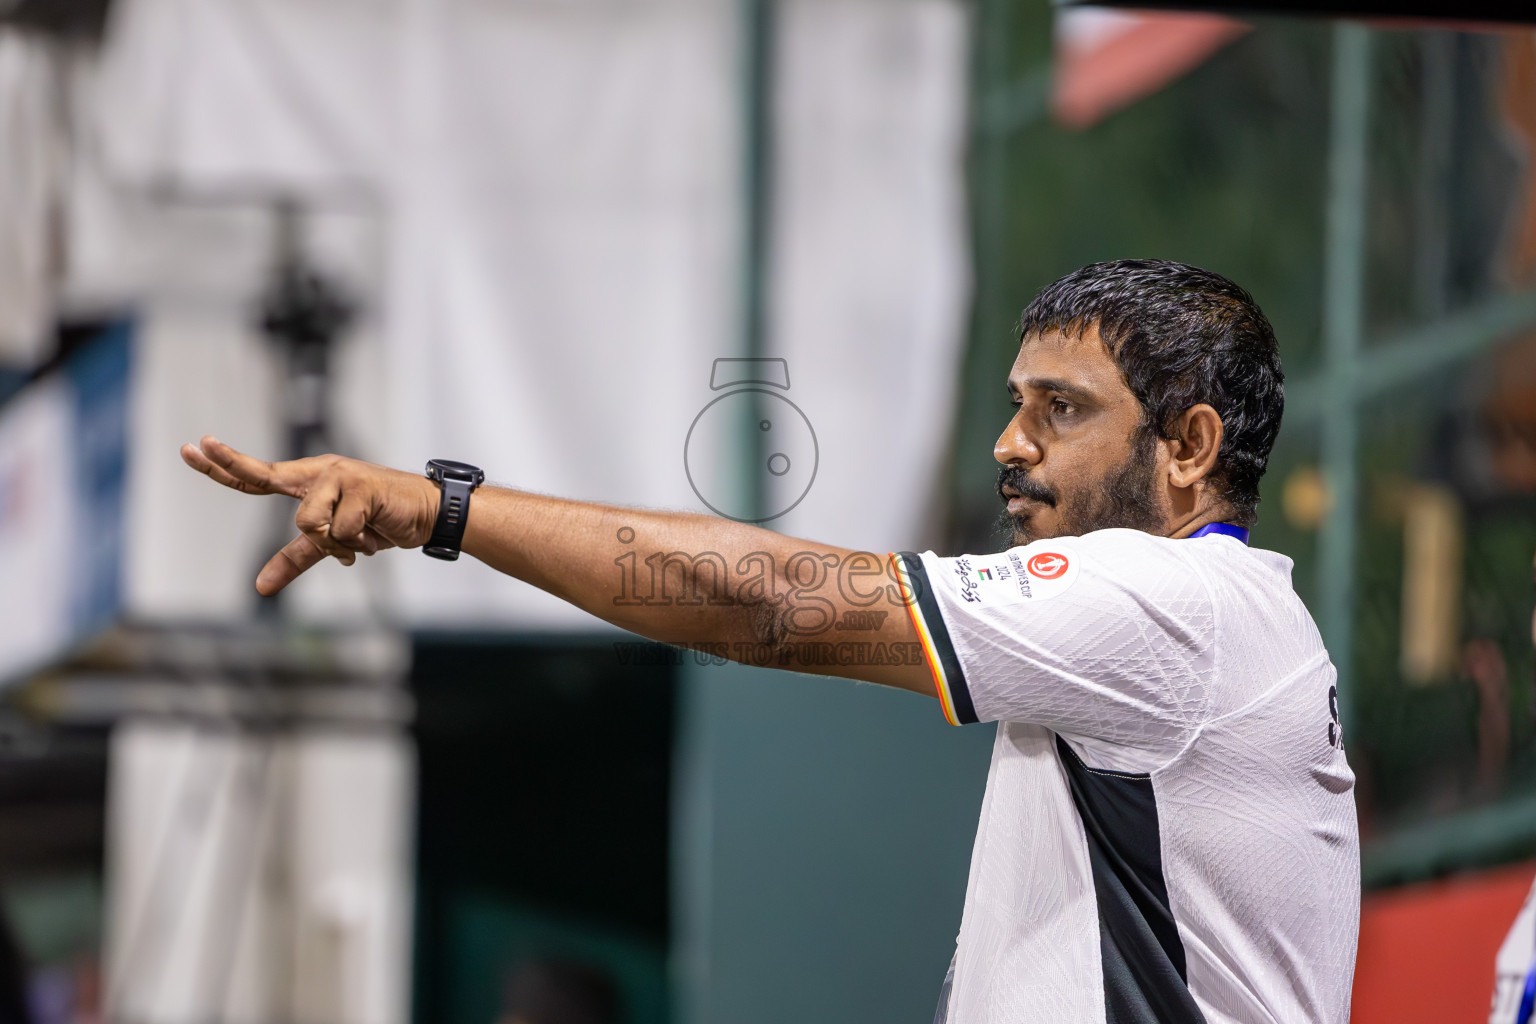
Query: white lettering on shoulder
[(1014, 576)]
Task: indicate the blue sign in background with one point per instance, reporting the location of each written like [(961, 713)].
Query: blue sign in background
[(98, 372)]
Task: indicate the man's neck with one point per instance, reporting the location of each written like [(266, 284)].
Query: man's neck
[(1191, 524)]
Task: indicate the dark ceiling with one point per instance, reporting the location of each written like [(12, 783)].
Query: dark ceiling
[(1463, 14)]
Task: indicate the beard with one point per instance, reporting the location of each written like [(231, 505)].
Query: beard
[(1125, 498)]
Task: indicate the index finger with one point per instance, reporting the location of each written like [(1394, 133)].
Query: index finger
[(285, 566), (243, 472)]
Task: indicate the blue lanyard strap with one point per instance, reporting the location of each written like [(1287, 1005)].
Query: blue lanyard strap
[(1240, 532)]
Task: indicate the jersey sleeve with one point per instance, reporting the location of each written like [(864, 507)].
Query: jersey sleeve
[(1107, 636)]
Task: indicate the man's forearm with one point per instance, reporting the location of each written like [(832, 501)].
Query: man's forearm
[(704, 582), (603, 559), (739, 591)]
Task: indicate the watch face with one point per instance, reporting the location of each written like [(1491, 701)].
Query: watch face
[(439, 469)]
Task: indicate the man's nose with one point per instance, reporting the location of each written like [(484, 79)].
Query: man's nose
[(1015, 446)]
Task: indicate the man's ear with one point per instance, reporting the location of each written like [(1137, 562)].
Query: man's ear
[(1198, 433)]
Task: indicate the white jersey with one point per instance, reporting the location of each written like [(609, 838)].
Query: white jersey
[(1168, 832), (1513, 963)]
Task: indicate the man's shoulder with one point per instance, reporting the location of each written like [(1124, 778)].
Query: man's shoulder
[(1212, 556), (1125, 552), (1122, 560), (1213, 568), (1142, 567)]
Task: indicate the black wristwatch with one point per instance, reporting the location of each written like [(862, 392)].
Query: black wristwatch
[(458, 480)]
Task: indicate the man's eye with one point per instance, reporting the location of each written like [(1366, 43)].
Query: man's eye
[(1059, 405)]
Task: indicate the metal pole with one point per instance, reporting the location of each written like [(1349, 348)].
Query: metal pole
[(757, 52), (1000, 110), (1436, 144), (990, 221), (700, 692), (1343, 324)]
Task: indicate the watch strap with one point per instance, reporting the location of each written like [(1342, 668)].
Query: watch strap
[(452, 515)]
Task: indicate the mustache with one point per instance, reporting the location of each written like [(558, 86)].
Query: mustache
[(1015, 478)]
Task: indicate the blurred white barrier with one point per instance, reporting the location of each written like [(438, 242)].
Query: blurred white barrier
[(256, 876)]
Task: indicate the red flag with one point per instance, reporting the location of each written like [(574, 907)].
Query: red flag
[(1109, 59)]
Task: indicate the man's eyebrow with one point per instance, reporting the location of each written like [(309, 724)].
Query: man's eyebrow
[(1074, 392)]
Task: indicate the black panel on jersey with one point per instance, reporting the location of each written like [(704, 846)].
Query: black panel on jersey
[(944, 647), (1144, 978)]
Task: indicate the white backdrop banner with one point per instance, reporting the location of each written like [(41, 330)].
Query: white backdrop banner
[(870, 277), (558, 201), (242, 99), (564, 268)]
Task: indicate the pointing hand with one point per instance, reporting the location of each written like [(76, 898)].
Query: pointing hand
[(346, 507)]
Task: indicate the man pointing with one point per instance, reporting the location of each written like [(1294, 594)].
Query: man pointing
[(1168, 833)]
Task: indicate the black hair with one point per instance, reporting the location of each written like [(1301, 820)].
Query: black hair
[(1182, 336)]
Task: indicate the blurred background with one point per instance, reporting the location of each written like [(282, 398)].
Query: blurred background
[(521, 234)]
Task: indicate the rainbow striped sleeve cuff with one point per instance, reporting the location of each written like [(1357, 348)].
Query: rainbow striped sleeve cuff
[(938, 650)]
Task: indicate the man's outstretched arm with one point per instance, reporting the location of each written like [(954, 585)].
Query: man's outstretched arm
[(736, 590)]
